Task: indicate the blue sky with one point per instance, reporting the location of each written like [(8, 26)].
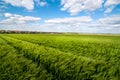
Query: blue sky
[(82, 16)]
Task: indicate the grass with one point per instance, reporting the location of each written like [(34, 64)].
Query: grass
[(60, 56)]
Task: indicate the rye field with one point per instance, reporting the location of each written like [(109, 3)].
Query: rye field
[(59, 57)]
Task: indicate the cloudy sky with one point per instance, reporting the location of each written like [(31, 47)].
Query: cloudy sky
[(83, 16)]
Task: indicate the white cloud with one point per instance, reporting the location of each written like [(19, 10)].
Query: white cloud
[(85, 24), (109, 24), (2, 6), (70, 20), (19, 22), (28, 4), (109, 9), (110, 4), (68, 24), (112, 20), (20, 27), (41, 3), (17, 19), (76, 6), (7, 14)]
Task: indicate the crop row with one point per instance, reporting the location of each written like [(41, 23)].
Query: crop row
[(14, 66), (64, 66), (107, 51)]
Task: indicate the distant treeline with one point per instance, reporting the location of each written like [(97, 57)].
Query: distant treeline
[(25, 32)]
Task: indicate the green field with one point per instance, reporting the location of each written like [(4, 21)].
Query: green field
[(59, 57)]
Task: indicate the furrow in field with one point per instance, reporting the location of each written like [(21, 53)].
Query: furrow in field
[(13, 66), (64, 66)]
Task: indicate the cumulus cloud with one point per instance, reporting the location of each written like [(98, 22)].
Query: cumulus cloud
[(28, 4), (112, 2), (16, 19), (110, 5), (19, 22), (76, 6)]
